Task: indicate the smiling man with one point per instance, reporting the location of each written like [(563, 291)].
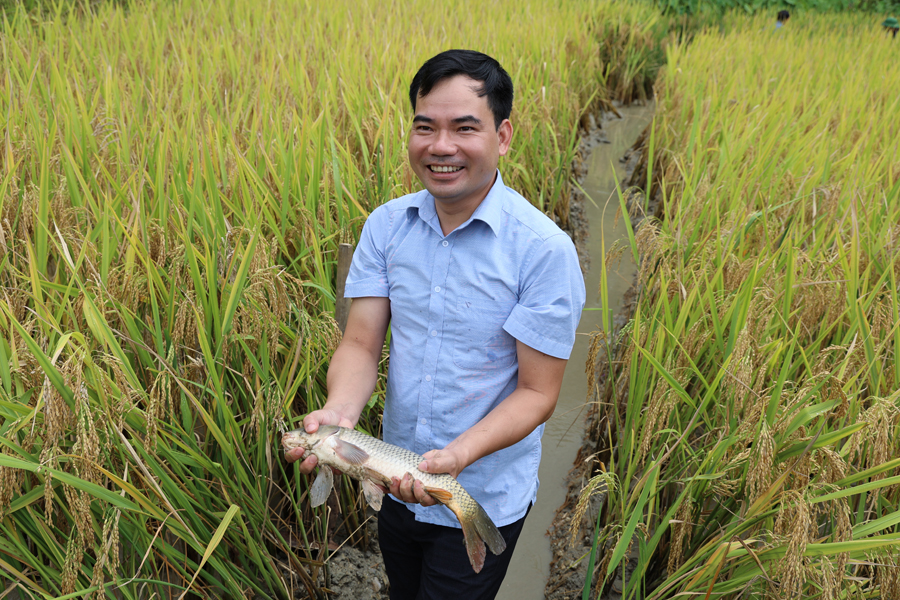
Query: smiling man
[(483, 294)]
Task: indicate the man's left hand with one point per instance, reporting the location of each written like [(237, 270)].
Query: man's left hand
[(413, 491)]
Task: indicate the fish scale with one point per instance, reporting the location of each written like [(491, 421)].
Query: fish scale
[(374, 462)]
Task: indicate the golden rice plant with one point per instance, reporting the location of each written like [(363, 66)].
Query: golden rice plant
[(751, 411), (175, 181)]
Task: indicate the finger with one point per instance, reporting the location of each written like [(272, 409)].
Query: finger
[(311, 423), (423, 497), (294, 454), (308, 464), (406, 488), (395, 488)]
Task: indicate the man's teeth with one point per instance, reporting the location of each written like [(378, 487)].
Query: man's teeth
[(437, 169)]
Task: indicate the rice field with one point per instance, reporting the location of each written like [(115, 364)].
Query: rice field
[(176, 179), (747, 415)]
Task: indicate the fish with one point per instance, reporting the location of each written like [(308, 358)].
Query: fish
[(374, 462)]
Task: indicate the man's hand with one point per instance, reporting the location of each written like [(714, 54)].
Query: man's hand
[(436, 461), (311, 424), (411, 490)]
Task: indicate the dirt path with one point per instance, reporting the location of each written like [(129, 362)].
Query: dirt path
[(568, 566)]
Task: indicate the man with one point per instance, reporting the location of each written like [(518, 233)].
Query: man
[(891, 25), (483, 294), (782, 19)]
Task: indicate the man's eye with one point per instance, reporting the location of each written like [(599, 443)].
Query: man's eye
[(466, 128)]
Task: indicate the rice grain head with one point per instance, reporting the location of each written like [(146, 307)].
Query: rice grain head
[(596, 362), (681, 534), (761, 473), (794, 517), (887, 575), (603, 483), (108, 557)]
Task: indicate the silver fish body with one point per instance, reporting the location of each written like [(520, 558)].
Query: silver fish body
[(374, 462)]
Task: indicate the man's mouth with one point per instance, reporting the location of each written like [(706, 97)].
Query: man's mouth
[(443, 169)]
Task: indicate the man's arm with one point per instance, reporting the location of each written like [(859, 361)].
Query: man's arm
[(353, 371), (529, 405)]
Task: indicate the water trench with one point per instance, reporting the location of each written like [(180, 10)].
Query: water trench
[(530, 565)]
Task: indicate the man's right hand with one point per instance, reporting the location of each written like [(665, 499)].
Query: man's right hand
[(311, 424)]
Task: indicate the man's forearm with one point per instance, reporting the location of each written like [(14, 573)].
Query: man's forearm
[(510, 422), (530, 404), (352, 376)]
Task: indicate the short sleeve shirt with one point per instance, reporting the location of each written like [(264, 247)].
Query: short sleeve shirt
[(458, 304)]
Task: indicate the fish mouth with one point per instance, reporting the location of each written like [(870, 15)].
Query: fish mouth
[(293, 439)]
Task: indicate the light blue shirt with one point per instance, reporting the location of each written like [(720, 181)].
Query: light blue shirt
[(458, 304)]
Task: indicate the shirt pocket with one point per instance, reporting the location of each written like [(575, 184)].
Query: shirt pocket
[(480, 341)]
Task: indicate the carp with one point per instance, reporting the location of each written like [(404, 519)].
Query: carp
[(372, 462)]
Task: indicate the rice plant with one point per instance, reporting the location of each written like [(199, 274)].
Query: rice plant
[(749, 412), (176, 179)]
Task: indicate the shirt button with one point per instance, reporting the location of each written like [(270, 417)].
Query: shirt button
[(437, 289), (445, 243), (434, 333), (423, 421), (428, 378)]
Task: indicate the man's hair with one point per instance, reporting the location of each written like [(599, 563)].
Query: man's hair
[(783, 15), (496, 83)]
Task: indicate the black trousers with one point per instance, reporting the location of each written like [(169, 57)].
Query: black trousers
[(429, 562)]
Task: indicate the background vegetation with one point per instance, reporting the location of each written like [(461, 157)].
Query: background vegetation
[(771, 7), (749, 420), (175, 181)]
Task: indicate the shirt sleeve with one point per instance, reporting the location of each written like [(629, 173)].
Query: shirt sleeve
[(551, 299), (368, 270)]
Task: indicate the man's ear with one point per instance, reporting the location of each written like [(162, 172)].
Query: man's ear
[(505, 132)]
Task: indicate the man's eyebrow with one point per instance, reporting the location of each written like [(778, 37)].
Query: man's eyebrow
[(456, 121)]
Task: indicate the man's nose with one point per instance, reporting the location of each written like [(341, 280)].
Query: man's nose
[(442, 144)]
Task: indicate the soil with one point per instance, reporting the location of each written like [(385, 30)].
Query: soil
[(358, 573)]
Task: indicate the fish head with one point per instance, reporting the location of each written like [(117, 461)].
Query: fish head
[(299, 438)]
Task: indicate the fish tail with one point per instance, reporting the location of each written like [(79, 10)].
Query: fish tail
[(488, 531), (477, 526), (474, 544), (477, 529)]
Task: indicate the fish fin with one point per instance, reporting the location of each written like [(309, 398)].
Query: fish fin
[(474, 544), (439, 494), (321, 487), (477, 530), (488, 531), (349, 452), (372, 493)]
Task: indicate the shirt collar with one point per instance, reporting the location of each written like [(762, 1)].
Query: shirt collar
[(489, 211)]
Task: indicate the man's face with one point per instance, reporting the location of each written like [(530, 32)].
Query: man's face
[(454, 146)]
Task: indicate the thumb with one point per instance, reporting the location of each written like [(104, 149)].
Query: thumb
[(428, 461)]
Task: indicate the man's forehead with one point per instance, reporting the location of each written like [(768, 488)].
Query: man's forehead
[(473, 84), (455, 99)]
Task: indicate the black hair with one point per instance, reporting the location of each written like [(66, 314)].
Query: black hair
[(496, 83), (783, 15)]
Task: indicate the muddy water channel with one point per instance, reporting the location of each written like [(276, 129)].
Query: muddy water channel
[(529, 569)]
